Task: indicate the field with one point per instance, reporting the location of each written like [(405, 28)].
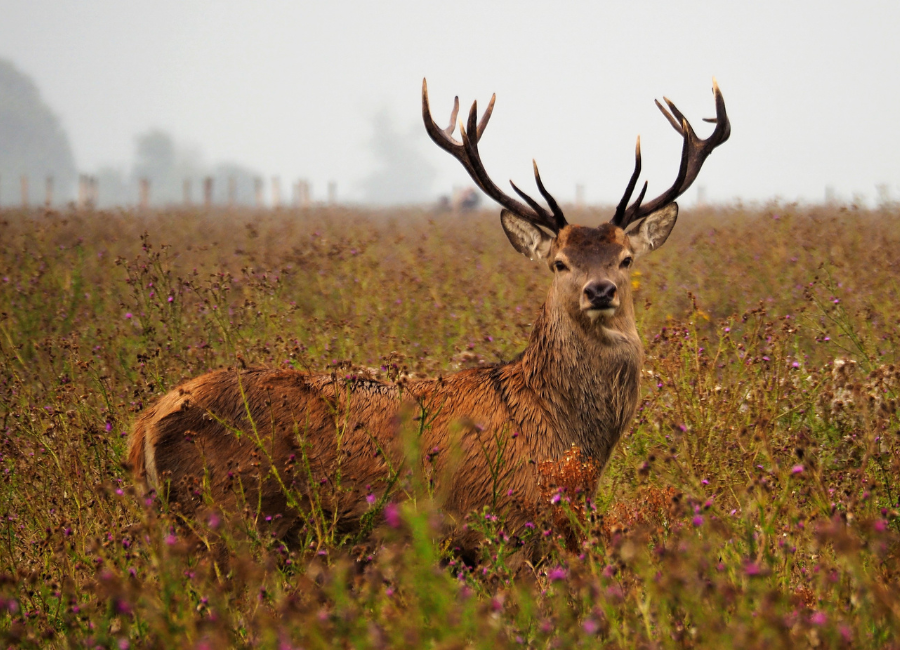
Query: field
[(753, 503)]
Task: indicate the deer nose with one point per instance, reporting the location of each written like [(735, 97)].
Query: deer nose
[(600, 294)]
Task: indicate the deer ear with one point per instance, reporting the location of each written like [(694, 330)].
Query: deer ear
[(530, 240), (653, 230)]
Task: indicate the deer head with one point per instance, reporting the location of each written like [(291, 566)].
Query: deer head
[(591, 265)]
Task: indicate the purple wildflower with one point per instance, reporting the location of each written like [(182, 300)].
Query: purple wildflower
[(556, 574), (392, 515)]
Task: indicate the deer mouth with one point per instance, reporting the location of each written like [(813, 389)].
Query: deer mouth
[(596, 312)]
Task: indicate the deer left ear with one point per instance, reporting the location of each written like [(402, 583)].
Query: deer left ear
[(653, 230)]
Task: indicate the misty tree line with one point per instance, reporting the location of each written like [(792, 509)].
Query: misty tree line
[(34, 145), (167, 166)]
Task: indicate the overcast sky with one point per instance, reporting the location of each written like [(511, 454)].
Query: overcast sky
[(291, 88)]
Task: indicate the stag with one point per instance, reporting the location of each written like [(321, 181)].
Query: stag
[(285, 441)]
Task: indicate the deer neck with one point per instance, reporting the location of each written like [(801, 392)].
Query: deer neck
[(587, 379)]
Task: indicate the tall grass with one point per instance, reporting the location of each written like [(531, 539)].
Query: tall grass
[(754, 501)]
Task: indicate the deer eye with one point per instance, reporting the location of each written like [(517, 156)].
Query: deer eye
[(627, 262), (559, 266)]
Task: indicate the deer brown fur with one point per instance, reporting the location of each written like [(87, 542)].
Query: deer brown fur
[(265, 434)]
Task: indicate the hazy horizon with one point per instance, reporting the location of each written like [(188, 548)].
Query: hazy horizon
[(332, 92)]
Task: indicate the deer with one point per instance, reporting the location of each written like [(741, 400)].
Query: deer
[(285, 441)]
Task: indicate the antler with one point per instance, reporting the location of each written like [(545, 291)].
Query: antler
[(467, 154), (693, 154)]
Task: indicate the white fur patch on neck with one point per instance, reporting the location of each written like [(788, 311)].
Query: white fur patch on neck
[(614, 336)]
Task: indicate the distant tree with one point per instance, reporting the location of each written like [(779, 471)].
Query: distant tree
[(155, 159), (32, 141), (402, 174)]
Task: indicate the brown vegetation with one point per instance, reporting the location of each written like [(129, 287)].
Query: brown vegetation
[(753, 501)]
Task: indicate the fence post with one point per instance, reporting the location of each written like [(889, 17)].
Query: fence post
[(94, 192), (276, 192), (332, 193), (232, 191), (186, 192), (207, 191), (48, 192), (144, 193), (24, 183), (258, 191), (303, 193)]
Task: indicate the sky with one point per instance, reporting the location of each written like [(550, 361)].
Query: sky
[(297, 89)]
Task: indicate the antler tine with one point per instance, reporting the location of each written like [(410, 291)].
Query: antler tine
[(676, 124), (442, 137), (693, 154), (487, 115), (640, 198), (449, 130), (537, 207), (554, 206), (626, 197)]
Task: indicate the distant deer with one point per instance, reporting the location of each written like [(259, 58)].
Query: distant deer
[(266, 433)]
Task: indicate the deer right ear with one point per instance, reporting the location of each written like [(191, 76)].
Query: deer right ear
[(527, 238), (653, 231)]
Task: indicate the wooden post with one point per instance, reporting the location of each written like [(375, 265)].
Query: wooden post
[(144, 193), (48, 195), (94, 192), (258, 190), (332, 193), (232, 191), (303, 193), (186, 192), (276, 192), (24, 184), (207, 191)]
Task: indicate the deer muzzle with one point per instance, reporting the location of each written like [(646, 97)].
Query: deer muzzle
[(599, 298)]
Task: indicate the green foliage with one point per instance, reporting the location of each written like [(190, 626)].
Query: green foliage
[(754, 501)]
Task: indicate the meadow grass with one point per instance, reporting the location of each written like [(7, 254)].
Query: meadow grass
[(754, 502)]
